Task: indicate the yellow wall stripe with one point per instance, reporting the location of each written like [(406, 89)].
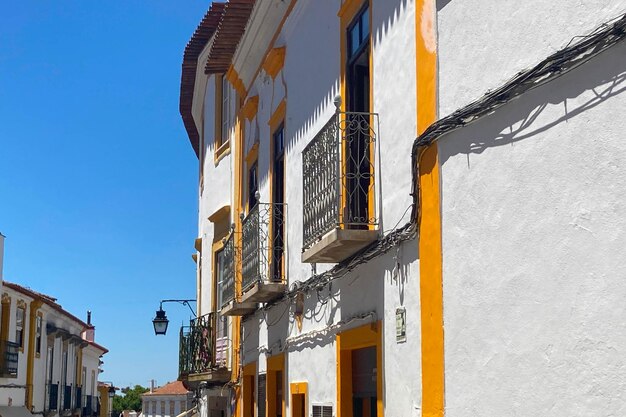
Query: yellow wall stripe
[(431, 291)]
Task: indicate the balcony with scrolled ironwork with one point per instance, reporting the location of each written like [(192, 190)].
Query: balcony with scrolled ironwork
[(339, 188), (229, 301), (201, 351), (8, 359), (263, 253)]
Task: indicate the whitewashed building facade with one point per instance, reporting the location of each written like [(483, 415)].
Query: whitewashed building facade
[(374, 172), (50, 360)]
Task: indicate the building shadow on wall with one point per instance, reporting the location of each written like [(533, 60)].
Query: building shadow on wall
[(603, 76)]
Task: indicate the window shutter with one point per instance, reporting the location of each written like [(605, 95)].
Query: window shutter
[(261, 395)]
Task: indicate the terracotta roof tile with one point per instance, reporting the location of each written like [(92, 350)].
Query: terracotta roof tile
[(171, 388)]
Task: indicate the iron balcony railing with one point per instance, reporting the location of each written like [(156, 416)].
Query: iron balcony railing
[(196, 346), (67, 397), (262, 245), (226, 268), (78, 397), (52, 397), (9, 359), (338, 176)]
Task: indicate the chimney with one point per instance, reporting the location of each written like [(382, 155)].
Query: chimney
[(151, 386), (1, 254), (90, 331)]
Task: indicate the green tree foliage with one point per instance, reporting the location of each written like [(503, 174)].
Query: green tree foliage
[(130, 400)]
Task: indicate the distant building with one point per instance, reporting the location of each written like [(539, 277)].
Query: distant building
[(49, 360), (170, 400)]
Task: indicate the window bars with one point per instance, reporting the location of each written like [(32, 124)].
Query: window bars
[(338, 176), (262, 245)]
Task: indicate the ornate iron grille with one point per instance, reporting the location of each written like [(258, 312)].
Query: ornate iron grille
[(262, 246), (9, 359), (227, 282), (338, 176), (196, 346)]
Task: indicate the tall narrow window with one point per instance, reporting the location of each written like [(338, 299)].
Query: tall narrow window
[(225, 109), (172, 414), (278, 200), (253, 185), (219, 277), (19, 326), (50, 364), (359, 170), (38, 325)]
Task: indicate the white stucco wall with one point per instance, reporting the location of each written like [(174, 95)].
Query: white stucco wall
[(381, 286), (533, 231), (482, 44)]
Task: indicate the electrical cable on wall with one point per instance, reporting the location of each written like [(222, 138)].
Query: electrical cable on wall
[(580, 50)]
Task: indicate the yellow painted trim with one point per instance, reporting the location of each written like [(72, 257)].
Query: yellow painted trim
[(21, 304), (276, 119), (233, 77), (346, 15), (248, 392), (275, 364), (430, 252), (278, 116), (30, 361), (79, 367), (236, 320), (274, 61), (253, 154), (104, 403), (249, 110), (347, 341), (273, 41), (299, 388), (6, 316)]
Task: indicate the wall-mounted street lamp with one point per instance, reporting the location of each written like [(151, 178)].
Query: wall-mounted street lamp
[(160, 321)]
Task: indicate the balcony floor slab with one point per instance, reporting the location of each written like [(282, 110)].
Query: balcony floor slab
[(262, 292), (338, 244), (235, 308)]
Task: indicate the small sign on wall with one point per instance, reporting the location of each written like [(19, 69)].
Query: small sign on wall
[(400, 325)]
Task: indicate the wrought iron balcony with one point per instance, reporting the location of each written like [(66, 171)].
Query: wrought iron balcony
[(339, 188), (52, 399), (9, 359), (229, 300), (226, 268), (67, 397), (263, 253), (199, 359), (78, 397)]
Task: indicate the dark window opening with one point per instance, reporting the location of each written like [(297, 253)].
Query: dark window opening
[(358, 166), (253, 185), (278, 199)]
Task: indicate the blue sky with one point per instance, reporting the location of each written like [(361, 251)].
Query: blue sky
[(97, 177)]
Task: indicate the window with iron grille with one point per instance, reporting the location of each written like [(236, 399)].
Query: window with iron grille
[(261, 395), (322, 410)]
